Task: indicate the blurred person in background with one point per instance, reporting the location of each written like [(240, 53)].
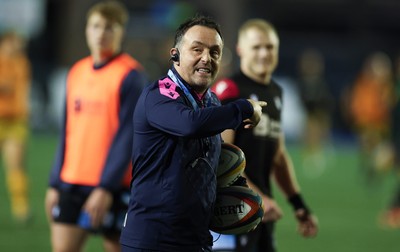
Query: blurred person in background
[(89, 182), (318, 104), (264, 146), (15, 81), (370, 102), (391, 216)]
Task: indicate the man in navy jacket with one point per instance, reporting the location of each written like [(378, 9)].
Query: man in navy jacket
[(177, 143)]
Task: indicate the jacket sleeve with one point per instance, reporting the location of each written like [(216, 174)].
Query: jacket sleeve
[(54, 180), (175, 117), (119, 155)]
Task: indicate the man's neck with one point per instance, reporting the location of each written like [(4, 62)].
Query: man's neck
[(263, 79), (199, 91), (102, 57)]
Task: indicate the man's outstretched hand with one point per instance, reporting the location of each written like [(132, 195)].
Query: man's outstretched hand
[(255, 119)]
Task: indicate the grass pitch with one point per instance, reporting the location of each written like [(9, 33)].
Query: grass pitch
[(346, 205)]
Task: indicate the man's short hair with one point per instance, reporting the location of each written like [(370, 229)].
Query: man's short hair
[(196, 20), (257, 23), (113, 11)]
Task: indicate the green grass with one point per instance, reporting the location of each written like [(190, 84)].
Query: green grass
[(347, 207), (34, 237)]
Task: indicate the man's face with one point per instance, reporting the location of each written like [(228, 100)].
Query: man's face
[(258, 52), (102, 35), (200, 57), (12, 44)]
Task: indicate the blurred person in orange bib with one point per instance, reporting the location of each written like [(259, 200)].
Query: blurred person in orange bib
[(89, 181)]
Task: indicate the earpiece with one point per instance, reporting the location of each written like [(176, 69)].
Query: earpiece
[(175, 56)]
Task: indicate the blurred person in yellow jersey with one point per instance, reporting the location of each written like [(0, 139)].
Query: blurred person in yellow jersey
[(371, 99), (15, 77)]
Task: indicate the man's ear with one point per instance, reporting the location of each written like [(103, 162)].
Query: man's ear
[(238, 50), (174, 55)]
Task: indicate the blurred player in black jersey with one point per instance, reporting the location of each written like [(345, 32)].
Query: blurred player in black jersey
[(263, 146)]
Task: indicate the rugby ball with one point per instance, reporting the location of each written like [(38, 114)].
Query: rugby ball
[(237, 210), (231, 164)]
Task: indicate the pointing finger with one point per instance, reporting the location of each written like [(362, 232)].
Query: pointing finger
[(262, 103)]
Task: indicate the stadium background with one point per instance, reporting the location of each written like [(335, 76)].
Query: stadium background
[(345, 31)]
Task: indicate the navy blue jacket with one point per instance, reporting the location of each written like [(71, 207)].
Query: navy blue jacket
[(175, 156)]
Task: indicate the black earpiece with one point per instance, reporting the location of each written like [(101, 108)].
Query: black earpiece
[(175, 56)]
